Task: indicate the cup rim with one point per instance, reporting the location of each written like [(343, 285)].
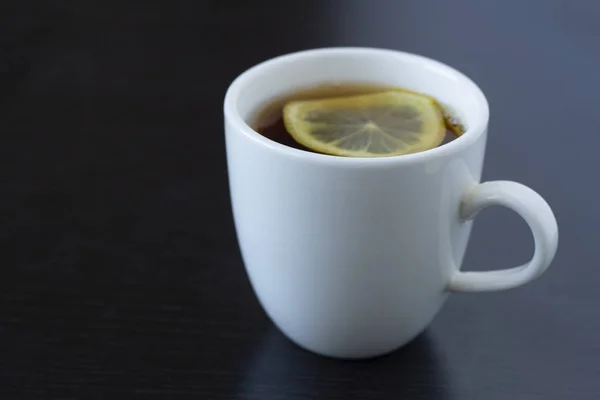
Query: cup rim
[(475, 129)]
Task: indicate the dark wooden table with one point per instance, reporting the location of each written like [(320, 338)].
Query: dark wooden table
[(119, 268)]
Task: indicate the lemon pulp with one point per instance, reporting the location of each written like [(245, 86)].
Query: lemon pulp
[(383, 124)]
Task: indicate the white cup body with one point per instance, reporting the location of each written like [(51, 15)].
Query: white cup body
[(350, 257)]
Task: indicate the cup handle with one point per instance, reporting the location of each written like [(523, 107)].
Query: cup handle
[(538, 215)]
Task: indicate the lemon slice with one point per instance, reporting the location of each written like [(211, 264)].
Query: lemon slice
[(382, 124)]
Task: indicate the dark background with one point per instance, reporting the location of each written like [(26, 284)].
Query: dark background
[(119, 268)]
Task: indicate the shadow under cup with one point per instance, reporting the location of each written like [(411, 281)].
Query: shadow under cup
[(350, 257)]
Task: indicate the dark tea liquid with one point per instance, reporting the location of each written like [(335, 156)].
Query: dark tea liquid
[(269, 120)]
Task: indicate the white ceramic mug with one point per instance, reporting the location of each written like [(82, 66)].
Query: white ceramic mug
[(353, 257)]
